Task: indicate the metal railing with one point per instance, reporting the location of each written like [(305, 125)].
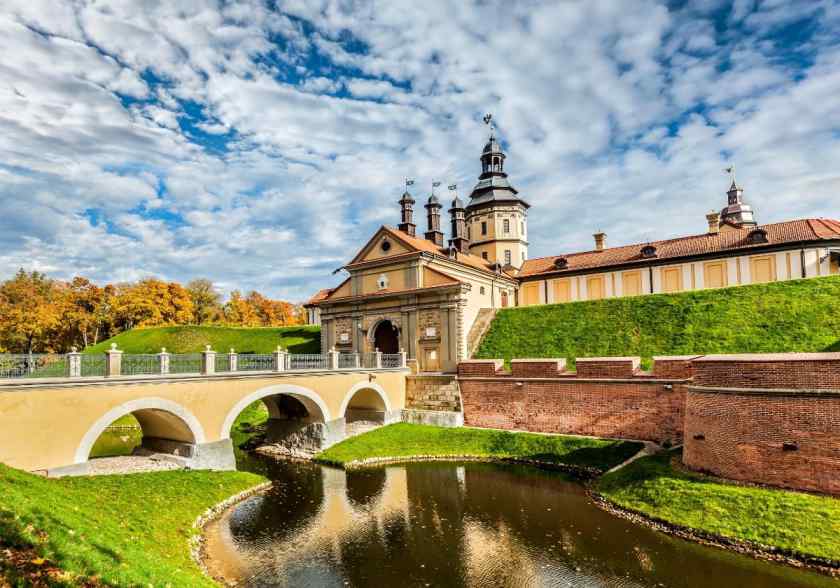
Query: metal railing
[(116, 363), (140, 363), (308, 361), (391, 360), (255, 362), (185, 363)]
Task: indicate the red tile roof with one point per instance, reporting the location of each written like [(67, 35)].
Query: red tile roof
[(796, 231), (319, 296), (389, 292), (424, 245)]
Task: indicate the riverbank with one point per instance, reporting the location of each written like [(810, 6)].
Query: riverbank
[(793, 527), (408, 442), (110, 530)]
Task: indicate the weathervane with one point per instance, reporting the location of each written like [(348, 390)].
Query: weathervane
[(488, 120), (731, 171), (453, 188)]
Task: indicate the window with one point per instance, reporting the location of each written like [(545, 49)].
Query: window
[(481, 290), (714, 274), (507, 257), (483, 255), (506, 225), (562, 290), (523, 228), (382, 282), (763, 269), (672, 279), (631, 283), (386, 245), (595, 288), (483, 227), (523, 256), (469, 233)]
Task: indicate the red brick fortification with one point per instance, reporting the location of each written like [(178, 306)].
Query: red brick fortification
[(771, 419), (607, 397)]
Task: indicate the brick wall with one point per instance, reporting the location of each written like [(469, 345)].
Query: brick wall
[(784, 371), (423, 392), (539, 396), (782, 439)]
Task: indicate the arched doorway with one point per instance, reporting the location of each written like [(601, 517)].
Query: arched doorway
[(386, 337)]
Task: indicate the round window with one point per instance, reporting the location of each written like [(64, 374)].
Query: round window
[(386, 245)]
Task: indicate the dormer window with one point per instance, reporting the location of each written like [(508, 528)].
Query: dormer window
[(757, 236), (382, 282), (649, 251), (561, 263)]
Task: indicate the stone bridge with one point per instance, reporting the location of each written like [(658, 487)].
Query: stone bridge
[(50, 424)]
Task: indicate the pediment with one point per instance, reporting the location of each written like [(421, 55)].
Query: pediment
[(382, 245)]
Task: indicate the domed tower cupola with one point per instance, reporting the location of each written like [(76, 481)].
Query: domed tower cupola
[(736, 213), (496, 217), (459, 238), (407, 214)]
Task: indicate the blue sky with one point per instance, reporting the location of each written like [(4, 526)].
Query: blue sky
[(259, 144)]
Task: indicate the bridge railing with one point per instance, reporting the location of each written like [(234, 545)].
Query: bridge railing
[(116, 363)]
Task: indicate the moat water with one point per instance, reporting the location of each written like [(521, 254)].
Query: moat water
[(450, 524)]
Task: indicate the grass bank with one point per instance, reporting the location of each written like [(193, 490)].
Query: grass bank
[(121, 530), (800, 315), (192, 339), (405, 440), (804, 524)]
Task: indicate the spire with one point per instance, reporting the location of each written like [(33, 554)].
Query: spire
[(406, 211), (493, 185)]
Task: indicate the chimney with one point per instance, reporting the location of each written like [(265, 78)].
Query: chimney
[(407, 225), (434, 234), (714, 222), (600, 239)]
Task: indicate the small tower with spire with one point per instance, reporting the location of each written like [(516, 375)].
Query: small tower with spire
[(736, 213), (433, 234), (407, 214), (496, 217), (459, 227)]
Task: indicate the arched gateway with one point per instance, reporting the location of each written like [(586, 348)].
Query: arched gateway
[(386, 337)]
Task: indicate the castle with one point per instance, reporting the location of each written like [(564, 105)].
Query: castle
[(424, 297)]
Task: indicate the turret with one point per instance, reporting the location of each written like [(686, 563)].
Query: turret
[(433, 234), (459, 227), (407, 212)]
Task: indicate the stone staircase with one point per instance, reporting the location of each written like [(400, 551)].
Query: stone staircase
[(479, 328)]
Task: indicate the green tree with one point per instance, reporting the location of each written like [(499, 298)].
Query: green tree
[(206, 301)]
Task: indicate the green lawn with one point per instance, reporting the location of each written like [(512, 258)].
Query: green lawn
[(800, 315), (127, 530), (192, 339), (406, 440), (804, 523)]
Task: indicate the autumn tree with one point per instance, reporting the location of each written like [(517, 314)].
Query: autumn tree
[(206, 301), (29, 311), (152, 302), (239, 312), (85, 313)]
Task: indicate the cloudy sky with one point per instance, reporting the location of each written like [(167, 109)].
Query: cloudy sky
[(260, 143)]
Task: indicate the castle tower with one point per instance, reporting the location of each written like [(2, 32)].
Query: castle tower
[(433, 234), (407, 212), (459, 229), (736, 213), (496, 217)]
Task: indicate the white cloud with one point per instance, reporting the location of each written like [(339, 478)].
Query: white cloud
[(617, 116)]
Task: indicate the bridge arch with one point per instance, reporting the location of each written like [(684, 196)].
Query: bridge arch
[(308, 398), (157, 417), (383, 396)]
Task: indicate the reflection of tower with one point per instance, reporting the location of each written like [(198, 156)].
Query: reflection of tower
[(496, 217)]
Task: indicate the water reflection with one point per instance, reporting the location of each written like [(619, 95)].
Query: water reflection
[(459, 525)]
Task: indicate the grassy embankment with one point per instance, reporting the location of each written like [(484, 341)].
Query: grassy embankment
[(192, 339), (802, 523), (801, 315), (407, 440), (122, 530)]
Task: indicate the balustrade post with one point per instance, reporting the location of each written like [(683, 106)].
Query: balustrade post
[(233, 358), (163, 360), (74, 364), (357, 360), (208, 361), (279, 359), (333, 359), (113, 361), (377, 363), (403, 358)]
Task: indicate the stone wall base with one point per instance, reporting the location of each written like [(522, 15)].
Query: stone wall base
[(438, 392), (437, 418)]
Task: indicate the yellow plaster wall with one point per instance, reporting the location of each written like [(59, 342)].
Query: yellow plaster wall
[(375, 248), (42, 427)]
